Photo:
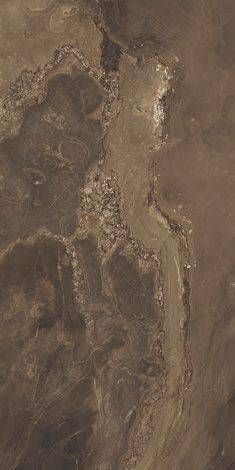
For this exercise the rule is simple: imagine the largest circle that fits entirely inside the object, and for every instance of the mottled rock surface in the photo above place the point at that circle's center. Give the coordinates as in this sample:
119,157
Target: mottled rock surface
117,277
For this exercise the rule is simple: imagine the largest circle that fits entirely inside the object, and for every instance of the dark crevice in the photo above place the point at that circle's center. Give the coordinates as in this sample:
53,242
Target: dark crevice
111,53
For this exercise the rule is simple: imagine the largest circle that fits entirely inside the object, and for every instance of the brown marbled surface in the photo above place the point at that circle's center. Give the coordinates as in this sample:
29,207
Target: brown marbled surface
117,228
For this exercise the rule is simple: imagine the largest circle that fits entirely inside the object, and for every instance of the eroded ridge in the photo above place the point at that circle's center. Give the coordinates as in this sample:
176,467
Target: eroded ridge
90,264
